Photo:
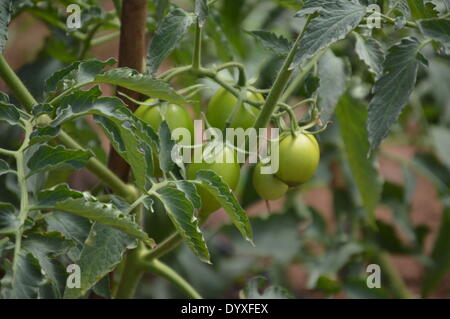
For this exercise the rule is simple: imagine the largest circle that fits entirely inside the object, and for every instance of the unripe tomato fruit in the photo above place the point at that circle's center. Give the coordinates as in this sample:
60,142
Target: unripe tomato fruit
176,117
222,105
299,158
268,186
230,173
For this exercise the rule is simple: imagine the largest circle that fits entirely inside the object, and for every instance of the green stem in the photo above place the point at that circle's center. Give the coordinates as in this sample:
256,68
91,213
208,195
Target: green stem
392,21
394,279
131,274
24,204
277,88
59,24
242,77
16,85
301,76
164,247
197,57
105,38
165,271
7,152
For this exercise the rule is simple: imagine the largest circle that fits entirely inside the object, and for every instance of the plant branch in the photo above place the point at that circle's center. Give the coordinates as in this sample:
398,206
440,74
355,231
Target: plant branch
24,204
165,271
28,101
197,56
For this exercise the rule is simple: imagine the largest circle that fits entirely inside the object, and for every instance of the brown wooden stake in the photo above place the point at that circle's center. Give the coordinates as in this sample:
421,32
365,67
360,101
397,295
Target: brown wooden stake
132,52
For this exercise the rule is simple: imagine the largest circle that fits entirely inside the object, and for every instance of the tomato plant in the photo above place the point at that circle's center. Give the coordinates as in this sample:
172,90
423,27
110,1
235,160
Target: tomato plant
96,192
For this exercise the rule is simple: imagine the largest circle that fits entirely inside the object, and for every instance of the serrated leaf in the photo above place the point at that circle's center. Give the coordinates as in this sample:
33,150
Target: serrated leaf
201,10
181,213
103,252
49,157
27,277
169,33
73,227
371,53
5,18
336,19
131,137
105,213
311,6
191,193
44,134
77,73
9,113
145,84
44,247
333,83
392,90
166,145
437,29
272,42
352,117
223,194
440,256
4,167
9,221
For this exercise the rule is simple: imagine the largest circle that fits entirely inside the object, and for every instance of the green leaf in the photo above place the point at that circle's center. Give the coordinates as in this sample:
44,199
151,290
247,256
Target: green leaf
272,42
336,19
45,247
437,29
73,227
77,73
9,113
27,277
191,193
88,207
253,287
9,221
166,145
201,10
223,194
49,157
392,90
5,18
5,168
371,53
333,83
145,84
352,117
419,10
102,252
131,137
440,256
169,33
43,134
181,213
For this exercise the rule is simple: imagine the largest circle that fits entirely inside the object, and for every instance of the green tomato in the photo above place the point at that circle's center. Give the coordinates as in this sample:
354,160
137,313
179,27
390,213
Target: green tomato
222,105
268,186
299,158
176,117
230,173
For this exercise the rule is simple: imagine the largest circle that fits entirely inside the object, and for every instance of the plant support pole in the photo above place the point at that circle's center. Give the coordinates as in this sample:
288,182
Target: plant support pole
132,50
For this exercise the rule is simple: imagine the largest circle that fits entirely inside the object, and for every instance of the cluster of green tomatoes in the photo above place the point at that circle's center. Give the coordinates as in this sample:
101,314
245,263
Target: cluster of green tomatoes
299,151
